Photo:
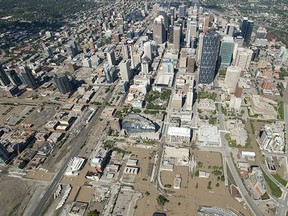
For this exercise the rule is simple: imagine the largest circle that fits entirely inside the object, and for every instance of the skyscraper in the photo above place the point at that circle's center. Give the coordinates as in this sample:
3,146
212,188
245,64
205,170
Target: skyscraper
48,51
261,33
159,33
63,83
111,57
163,13
148,50
4,80
182,11
246,29
170,34
5,156
110,73
125,51
27,77
125,70
243,58
231,78
226,51
177,32
200,45
230,29
193,29
210,49
145,65
13,77
73,49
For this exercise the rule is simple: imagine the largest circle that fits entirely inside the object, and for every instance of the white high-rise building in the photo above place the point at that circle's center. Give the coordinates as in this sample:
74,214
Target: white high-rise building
243,58
148,50
195,11
125,70
125,51
200,45
189,99
232,76
111,57
193,29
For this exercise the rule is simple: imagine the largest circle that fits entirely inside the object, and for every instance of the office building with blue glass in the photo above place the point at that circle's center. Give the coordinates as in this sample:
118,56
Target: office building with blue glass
209,56
246,29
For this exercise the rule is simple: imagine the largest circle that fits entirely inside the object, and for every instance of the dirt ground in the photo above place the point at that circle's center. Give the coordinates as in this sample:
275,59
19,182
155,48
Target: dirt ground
192,194
17,196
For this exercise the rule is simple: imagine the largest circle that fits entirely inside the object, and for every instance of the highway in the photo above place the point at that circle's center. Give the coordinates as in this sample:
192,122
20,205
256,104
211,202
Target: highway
226,155
76,143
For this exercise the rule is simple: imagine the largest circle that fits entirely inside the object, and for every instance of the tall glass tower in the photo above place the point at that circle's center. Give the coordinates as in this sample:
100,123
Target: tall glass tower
246,29
209,56
226,51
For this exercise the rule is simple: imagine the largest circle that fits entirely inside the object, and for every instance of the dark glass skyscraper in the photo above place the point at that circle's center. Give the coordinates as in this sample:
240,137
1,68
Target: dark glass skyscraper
246,29
4,80
73,49
63,83
13,76
27,77
210,49
4,154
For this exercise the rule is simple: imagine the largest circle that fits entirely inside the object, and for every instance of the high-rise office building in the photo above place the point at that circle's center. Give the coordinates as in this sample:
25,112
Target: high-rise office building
226,51
182,10
27,77
246,29
230,29
146,6
110,73
159,32
193,29
261,33
210,49
125,70
200,45
125,52
73,49
4,80
148,50
177,32
188,39
163,13
231,78
111,57
189,98
195,11
13,77
63,83
145,65
243,58
5,156
170,34
48,51
190,64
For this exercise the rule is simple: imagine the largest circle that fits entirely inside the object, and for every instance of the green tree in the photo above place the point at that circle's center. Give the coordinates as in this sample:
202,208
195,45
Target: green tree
93,213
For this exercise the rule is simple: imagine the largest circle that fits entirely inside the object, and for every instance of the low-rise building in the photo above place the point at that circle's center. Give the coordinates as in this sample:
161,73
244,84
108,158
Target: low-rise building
257,180
74,166
208,135
271,137
263,106
179,134
175,157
